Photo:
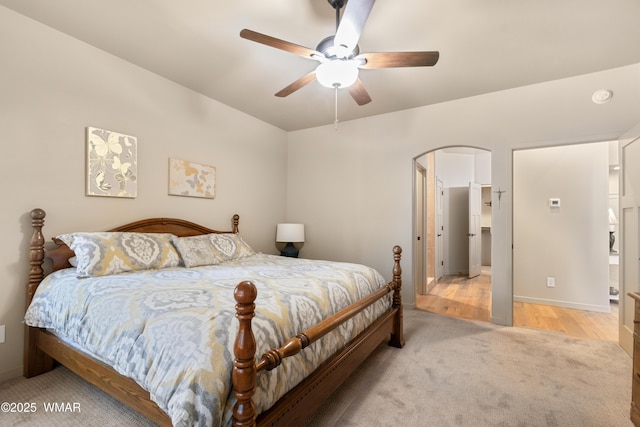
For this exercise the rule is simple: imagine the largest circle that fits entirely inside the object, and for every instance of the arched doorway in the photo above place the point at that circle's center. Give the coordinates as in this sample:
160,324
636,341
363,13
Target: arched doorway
452,230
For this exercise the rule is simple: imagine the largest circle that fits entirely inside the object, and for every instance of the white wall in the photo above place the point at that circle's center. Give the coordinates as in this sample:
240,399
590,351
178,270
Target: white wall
354,188
571,242
455,169
458,169
482,168
51,88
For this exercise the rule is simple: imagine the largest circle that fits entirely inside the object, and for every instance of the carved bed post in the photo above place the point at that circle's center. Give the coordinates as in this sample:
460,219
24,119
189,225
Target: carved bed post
36,253
35,362
236,220
397,337
244,366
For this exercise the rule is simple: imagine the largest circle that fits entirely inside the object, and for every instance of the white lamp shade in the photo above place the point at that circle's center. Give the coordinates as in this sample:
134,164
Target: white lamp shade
613,220
337,73
290,233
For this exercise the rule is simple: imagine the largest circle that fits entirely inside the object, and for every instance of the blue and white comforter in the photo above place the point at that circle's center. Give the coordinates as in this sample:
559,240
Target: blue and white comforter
173,330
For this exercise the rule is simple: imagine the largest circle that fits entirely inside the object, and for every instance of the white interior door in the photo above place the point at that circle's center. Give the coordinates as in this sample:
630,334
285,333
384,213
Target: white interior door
475,229
629,280
439,229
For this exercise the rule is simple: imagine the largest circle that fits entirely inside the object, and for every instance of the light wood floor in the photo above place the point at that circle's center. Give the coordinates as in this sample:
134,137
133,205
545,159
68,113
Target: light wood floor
469,299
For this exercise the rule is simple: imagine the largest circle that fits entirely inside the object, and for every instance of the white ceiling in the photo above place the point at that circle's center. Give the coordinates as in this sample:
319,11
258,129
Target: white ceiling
484,45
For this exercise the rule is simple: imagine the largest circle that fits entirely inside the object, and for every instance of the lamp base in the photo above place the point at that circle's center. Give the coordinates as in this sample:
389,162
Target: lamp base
612,240
289,251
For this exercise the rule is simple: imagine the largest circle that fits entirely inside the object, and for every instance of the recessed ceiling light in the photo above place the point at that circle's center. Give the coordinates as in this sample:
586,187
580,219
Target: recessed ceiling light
602,96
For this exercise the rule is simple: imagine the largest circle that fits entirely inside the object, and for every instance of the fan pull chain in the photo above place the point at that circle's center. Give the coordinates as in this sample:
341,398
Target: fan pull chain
335,123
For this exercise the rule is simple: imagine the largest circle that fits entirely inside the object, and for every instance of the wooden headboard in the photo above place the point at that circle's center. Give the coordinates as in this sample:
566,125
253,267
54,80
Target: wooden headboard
61,254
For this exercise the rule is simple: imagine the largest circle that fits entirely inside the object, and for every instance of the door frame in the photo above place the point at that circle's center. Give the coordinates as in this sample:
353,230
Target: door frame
439,229
628,247
420,234
415,274
475,229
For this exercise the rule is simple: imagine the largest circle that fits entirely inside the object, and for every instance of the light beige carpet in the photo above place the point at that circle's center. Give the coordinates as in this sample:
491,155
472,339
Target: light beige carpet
450,373
69,391
454,372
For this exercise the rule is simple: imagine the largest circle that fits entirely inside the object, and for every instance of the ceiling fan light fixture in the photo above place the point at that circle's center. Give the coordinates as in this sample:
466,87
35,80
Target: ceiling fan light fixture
337,73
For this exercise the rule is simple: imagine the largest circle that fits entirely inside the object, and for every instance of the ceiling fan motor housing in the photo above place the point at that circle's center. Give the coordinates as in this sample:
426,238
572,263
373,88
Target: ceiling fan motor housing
331,51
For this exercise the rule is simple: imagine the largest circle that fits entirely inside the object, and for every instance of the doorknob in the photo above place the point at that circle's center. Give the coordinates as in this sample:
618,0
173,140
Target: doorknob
471,234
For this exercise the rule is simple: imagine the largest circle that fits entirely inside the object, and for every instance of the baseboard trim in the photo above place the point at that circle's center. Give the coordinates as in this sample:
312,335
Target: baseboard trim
500,321
564,304
409,306
10,374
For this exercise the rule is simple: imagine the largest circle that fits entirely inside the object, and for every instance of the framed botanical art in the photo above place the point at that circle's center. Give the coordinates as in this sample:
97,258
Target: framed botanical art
191,179
112,164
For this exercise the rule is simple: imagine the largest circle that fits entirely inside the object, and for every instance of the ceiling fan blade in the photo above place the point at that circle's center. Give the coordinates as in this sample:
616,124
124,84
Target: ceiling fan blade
352,23
398,59
359,93
302,81
279,44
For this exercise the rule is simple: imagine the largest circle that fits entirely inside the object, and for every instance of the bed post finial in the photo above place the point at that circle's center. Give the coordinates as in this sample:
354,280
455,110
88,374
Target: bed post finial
397,337
236,220
243,375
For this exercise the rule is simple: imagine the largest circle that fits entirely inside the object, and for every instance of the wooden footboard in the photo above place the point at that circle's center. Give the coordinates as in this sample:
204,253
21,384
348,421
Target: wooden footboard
329,376
42,348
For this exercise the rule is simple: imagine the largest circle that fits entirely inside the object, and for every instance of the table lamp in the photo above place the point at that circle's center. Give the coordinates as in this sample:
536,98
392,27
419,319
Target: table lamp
290,234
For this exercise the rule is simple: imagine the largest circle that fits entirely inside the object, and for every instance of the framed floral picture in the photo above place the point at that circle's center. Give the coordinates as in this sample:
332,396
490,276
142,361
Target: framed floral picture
191,179
112,164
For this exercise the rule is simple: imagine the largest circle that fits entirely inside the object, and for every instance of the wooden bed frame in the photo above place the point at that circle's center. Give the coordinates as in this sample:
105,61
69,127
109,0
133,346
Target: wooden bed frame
42,347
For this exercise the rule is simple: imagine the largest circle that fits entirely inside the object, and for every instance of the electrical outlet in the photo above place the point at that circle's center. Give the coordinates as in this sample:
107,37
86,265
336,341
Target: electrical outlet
1,334
551,282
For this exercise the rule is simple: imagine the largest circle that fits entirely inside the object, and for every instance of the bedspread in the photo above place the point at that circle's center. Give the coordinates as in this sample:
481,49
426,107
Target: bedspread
173,330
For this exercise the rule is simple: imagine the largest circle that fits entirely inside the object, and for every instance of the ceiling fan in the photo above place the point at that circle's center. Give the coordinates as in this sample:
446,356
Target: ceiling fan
339,54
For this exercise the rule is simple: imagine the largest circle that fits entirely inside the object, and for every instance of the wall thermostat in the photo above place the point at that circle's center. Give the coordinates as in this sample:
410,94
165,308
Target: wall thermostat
554,203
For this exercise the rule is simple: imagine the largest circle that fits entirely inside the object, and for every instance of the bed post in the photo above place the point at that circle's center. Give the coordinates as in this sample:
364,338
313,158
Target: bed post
397,337
236,220
35,362
243,375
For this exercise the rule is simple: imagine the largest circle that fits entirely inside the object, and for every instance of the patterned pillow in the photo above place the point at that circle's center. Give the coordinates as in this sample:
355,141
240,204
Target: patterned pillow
229,247
196,251
104,253
211,249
